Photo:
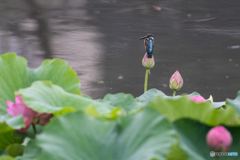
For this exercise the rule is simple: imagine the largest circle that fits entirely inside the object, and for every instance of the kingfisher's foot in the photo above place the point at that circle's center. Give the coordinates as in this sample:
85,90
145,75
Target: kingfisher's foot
149,55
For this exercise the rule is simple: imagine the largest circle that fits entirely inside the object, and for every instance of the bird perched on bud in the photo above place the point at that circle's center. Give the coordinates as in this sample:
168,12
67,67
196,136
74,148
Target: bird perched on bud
148,60
148,44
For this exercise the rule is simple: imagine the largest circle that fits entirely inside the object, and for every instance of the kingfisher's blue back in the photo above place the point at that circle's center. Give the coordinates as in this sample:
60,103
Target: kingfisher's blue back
149,44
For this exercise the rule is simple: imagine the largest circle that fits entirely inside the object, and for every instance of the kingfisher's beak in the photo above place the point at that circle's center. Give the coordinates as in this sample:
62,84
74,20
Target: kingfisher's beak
143,37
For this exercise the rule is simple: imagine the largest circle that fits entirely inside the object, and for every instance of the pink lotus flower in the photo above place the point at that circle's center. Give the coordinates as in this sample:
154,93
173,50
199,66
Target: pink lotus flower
176,81
198,99
29,116
148,62
219,139
20,108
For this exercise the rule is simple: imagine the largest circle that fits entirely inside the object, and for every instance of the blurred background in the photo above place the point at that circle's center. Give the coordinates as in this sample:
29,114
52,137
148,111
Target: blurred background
99,39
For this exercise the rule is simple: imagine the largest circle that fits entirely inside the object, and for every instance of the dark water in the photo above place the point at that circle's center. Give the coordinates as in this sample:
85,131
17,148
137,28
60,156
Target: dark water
99,39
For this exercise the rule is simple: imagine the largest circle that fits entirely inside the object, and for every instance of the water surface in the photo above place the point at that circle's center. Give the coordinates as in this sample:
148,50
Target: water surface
99,39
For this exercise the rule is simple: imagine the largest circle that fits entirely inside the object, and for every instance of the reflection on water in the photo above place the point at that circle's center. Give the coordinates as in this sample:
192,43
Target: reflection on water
99,39
49,31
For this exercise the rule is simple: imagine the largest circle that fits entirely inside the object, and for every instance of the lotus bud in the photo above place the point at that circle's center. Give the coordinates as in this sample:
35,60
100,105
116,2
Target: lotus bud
176,81
198,99
219,139
148,62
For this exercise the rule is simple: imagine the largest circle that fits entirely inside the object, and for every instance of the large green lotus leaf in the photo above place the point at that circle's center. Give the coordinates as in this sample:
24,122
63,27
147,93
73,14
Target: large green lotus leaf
76,136
113,115
126,101
14,75
45,97
235,103
14,150
218,104
150,95
6,130
193,139
8,138
144,136
60,73
183,107
153,93
7,158
31,151
176,152
7,122
7,133
2,152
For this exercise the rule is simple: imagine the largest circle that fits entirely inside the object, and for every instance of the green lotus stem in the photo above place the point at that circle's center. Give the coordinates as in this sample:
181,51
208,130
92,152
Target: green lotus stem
34,129
174,92
216,157
146,80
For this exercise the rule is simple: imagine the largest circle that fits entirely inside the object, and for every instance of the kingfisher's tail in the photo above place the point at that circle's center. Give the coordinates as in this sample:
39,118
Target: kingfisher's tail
149,55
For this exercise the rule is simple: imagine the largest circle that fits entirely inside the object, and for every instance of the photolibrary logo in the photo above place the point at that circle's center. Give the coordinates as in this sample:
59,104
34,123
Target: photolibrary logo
212,153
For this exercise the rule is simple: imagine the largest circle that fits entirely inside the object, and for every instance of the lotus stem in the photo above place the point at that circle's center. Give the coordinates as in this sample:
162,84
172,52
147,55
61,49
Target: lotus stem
174,92
146,80
34,129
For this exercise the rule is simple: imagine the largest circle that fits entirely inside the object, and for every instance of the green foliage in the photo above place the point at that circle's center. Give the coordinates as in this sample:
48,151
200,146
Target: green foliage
150,95
7,139
14,149
14,75
176,153
133,137
193,139
43,96
153,126
7,158
60,73
2,152
183,107
126,101
7,133
113,115
31,151
7,122
235,103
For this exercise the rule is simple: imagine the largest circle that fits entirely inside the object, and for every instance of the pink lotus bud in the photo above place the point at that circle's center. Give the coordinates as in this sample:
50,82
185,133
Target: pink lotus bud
20,108
42,118
148,62
176,81
219,139
198,99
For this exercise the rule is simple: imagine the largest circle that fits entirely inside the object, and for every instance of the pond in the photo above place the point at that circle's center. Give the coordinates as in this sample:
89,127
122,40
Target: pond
99,39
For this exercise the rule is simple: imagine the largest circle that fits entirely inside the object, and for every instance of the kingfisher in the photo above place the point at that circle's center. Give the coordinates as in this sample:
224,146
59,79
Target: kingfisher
149,44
